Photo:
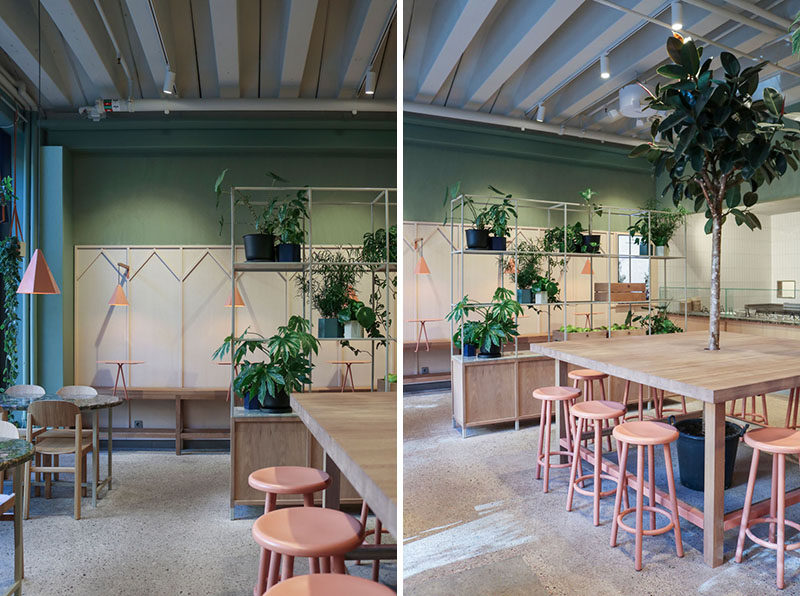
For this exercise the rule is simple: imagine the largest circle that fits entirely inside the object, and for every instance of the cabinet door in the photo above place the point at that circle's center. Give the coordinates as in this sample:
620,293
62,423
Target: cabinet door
490,392
533,373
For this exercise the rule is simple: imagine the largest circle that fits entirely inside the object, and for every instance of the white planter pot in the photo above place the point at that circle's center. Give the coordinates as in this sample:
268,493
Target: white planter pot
662,251
540,298
353,330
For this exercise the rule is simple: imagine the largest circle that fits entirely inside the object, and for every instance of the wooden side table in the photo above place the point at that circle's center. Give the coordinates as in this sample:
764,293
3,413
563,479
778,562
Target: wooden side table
13,454
348,371
120,372
423,329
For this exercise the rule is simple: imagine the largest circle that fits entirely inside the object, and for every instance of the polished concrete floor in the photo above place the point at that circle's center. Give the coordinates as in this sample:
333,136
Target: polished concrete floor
476,522
164,529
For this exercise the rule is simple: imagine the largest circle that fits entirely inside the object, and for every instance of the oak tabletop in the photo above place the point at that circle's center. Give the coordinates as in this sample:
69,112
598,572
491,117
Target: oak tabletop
359,432
745,364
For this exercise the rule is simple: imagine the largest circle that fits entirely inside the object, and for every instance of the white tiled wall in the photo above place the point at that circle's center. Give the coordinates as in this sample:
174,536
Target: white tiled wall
785,247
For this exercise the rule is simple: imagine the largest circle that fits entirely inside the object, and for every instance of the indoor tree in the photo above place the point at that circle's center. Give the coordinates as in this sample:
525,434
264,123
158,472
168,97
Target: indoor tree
712,138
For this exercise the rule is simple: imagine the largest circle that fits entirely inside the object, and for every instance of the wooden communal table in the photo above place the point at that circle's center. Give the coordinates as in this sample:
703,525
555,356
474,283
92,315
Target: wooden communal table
679,363
358,432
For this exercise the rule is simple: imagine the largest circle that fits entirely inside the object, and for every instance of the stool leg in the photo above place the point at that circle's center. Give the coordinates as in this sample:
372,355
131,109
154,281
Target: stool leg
308,500
764,407
773,497
748,501
796,403
605,422
287,568
651,480
540,441
547,450
263,560
338,564
598,456
376,564
641,402
683,404
623,460
573,472
673,501
325,564
274,566
569,423
781,546
639,504
789,407
625,397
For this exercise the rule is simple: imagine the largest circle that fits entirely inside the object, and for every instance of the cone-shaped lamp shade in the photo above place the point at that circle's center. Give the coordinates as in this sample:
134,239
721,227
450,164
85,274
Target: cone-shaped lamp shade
38,279
422,267
237,299
587,268
118,298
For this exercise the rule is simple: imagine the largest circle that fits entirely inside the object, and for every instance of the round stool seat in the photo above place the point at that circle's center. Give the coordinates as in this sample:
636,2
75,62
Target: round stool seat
587,374
556,393
645,432
289,480
598,410
774,440
307,532
328,584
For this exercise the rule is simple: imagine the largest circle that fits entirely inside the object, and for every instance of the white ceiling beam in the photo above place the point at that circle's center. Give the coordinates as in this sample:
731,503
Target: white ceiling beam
18,38
454,26
224,27
83,29
149,40
739,18
299,25
760,12
366,23
515,36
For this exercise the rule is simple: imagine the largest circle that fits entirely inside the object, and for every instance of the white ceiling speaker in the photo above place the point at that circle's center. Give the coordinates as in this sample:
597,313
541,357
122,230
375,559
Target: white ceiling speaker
677,16
631,102
605,72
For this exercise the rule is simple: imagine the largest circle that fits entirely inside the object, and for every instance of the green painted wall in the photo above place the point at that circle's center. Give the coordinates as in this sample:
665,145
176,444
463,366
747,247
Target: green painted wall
438,153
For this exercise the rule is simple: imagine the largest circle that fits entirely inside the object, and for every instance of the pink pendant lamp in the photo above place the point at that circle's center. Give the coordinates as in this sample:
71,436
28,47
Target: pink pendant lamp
118,298
587,268
37,278
237,299
421,268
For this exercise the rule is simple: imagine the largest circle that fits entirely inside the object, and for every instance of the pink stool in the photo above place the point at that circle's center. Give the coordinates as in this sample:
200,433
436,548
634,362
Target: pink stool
329,584
645,434
657,401
565,396
595,412
588,376
791,410
284,480
377,532
752,415
780,442
313,532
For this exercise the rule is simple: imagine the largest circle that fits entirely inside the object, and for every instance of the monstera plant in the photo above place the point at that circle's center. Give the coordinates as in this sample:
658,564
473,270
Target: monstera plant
717,144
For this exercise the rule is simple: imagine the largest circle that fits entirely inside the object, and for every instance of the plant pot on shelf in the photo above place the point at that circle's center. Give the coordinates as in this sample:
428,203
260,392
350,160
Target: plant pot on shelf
540,298
524,296
591,242
691,451
329,327
477,239
259,247
497,243
470,351
288,253
661,251
494,352
353,330
644,249
275,405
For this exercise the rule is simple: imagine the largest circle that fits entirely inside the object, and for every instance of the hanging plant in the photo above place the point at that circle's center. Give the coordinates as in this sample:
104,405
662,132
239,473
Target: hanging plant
9,272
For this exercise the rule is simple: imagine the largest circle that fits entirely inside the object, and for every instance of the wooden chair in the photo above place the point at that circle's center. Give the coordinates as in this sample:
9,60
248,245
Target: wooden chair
61,415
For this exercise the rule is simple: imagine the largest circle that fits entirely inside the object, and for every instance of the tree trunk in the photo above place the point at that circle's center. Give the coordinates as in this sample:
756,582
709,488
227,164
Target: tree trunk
713,316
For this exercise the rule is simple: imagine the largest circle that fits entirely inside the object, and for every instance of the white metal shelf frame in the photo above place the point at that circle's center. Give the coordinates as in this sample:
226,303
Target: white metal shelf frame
380,201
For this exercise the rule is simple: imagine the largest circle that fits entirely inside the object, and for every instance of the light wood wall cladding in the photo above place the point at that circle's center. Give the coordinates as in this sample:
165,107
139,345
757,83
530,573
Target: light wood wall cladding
177,316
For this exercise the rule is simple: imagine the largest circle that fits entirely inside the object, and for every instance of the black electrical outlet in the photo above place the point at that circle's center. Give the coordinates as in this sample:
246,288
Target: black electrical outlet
138,424
425,370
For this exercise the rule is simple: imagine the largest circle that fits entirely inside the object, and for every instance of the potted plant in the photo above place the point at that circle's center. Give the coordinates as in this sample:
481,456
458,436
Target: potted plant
469,343
260,245
499,216
373,248
526,269
356,317
331,286
557,240
591,242
544,289
715,139
287,216
267,384
478,236
656,228
497,325
657,322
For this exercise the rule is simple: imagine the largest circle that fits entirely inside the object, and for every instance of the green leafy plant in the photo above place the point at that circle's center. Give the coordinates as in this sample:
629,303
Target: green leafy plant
10,260
333,281
528,264
477,215
554,241
658,228
543,283
355,310
497,321
499,214
657,322
262,221
373,249
287,368
586,195
287,216
714,139
795,29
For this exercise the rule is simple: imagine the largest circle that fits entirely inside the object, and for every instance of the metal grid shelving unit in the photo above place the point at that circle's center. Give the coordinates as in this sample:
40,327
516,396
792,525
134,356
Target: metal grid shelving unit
381,203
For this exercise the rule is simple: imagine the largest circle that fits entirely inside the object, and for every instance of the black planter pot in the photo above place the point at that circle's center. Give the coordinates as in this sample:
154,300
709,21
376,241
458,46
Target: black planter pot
288,253
589,239
524,296
259,247
497,243
644,249
478,239
494,352
275,405
330,328
691,451
470,351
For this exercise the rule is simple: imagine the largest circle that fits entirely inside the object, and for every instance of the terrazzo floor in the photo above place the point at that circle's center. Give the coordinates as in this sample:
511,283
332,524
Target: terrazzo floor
476,522
164,529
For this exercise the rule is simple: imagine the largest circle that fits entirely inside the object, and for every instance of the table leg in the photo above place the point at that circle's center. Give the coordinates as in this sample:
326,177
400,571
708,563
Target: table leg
95,455
331,496
419,336
427,342
110,427
116,381
713,510
352,382
19,571
561,381
178,424
124,385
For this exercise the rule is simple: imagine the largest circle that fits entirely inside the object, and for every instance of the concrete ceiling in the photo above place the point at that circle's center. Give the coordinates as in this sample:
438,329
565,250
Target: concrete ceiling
498,60
91,49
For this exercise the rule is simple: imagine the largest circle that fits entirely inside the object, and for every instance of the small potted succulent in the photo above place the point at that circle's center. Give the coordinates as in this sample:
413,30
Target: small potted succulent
497,325
287,216
499,216
267,384
356,317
